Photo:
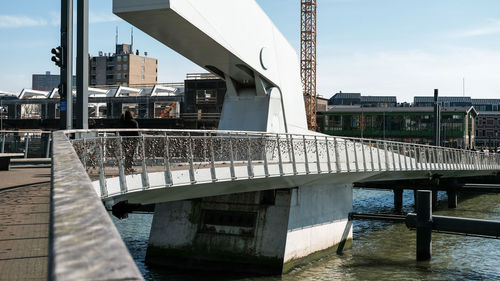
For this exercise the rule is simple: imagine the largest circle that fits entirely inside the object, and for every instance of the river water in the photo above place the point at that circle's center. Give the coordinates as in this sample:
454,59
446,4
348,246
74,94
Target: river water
381,250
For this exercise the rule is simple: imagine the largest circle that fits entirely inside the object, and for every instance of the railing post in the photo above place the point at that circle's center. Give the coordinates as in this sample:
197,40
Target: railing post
145,177
121,170
264,152
371,155
249,160
337,155
393,157
378,155
102,176
166,161
347,161
2,147
26,145
47,148
364,155
212,159
386,153
411,157
426,159
192,177
399,157
405,157
279,155
417,158
328,155
356,161
294,164
318,165
84,156
306,161
231,158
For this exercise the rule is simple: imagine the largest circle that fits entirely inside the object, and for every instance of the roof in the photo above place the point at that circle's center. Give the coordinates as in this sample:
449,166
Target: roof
347,96
485,101
441,99
379,99
463,109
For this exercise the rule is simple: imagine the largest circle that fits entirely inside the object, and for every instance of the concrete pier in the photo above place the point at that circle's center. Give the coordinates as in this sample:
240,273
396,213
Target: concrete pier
267,232
424,225
398,199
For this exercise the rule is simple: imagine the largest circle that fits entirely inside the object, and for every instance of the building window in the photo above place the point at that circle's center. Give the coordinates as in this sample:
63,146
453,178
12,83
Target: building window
142,77
119,58
143,68
143,60
118,76
125,67
125,58
119,67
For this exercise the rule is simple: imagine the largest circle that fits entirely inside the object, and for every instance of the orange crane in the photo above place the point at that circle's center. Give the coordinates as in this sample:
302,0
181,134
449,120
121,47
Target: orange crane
308,59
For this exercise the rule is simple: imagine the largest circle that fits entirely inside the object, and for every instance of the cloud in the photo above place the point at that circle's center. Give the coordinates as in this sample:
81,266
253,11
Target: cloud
493,27
409,73
17,21
100,17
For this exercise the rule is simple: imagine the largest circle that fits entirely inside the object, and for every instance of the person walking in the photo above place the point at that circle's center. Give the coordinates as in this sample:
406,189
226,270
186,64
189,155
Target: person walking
130,140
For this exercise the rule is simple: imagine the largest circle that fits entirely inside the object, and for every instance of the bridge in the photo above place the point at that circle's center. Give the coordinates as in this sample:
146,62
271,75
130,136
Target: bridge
265,200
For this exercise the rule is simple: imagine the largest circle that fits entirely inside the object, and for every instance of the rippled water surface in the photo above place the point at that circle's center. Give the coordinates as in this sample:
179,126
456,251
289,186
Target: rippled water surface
381,251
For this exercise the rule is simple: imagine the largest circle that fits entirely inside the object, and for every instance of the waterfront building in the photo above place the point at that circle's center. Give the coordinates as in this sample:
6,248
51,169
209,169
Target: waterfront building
406,124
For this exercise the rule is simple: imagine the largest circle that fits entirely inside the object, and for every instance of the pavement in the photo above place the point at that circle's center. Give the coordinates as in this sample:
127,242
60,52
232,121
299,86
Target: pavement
24,222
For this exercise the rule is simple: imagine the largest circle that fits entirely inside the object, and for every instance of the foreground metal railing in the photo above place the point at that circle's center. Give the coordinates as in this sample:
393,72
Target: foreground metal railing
184,157
33,143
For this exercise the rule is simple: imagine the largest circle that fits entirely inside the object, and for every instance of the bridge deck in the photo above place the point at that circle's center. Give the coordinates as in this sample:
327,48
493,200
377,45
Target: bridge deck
24,222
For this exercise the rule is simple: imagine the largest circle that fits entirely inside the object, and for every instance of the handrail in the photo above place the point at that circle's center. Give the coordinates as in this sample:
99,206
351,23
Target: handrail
184,155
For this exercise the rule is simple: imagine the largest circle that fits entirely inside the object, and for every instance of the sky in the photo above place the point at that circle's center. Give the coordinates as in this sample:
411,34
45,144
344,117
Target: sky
402,48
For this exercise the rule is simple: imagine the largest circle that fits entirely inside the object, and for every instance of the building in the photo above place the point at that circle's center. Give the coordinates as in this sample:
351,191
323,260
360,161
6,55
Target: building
442,101
47,81
356,99
321,104
345,99
123,68
406,124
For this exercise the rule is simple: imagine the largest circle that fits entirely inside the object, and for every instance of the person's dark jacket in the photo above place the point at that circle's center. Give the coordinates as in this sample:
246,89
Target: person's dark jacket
129,124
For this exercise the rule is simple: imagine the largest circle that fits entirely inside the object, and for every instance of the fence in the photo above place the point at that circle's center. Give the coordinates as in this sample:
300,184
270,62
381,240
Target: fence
34,144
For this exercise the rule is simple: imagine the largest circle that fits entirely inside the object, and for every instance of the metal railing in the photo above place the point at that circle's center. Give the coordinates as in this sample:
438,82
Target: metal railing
183,157
34,144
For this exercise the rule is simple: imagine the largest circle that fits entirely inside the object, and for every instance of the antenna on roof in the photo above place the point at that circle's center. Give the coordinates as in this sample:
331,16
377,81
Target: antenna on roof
132,39
116,36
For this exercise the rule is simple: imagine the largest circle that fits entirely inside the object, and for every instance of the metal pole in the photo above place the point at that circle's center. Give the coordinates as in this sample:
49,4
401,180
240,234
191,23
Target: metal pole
82,65
424,225
66,89
437,119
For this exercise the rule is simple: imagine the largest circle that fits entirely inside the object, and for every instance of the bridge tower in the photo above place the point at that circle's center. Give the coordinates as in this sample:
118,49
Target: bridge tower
308,59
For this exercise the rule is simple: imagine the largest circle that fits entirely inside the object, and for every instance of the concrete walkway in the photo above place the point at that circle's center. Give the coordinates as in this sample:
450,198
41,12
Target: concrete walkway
24,222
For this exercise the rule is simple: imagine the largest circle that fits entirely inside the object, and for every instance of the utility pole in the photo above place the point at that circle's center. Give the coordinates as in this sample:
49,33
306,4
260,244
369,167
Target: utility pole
66,57
82,65
437,119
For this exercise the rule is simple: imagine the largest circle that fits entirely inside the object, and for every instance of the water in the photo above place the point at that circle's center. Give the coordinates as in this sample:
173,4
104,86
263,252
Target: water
381,250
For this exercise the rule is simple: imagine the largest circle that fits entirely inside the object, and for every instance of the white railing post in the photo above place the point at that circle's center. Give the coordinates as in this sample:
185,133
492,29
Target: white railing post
47,147
279,155
166,161
213,174
364,155
231,158
328,155
386,153
393,157
264,152
2,147
26,145
192,177
102,176
121,169
356,160
337,155
399,156
145,177
371,155
294,164
318,164
249,160
306,161
347,161
379,158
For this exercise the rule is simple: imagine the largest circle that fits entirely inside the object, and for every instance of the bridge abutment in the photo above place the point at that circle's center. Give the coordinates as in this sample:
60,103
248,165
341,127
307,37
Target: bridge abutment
266,232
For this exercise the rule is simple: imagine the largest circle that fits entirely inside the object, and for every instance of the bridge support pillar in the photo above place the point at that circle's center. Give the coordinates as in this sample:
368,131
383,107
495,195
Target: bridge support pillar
452,198
424,225
398,199
265,232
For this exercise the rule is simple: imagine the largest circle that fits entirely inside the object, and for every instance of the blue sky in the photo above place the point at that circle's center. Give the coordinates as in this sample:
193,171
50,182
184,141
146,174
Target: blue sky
376,47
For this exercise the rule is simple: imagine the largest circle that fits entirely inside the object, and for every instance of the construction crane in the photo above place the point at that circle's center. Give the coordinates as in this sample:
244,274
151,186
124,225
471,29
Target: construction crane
308,59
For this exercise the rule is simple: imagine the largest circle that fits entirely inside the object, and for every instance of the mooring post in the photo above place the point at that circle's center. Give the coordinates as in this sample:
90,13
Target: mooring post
452,198
398,199
424,225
